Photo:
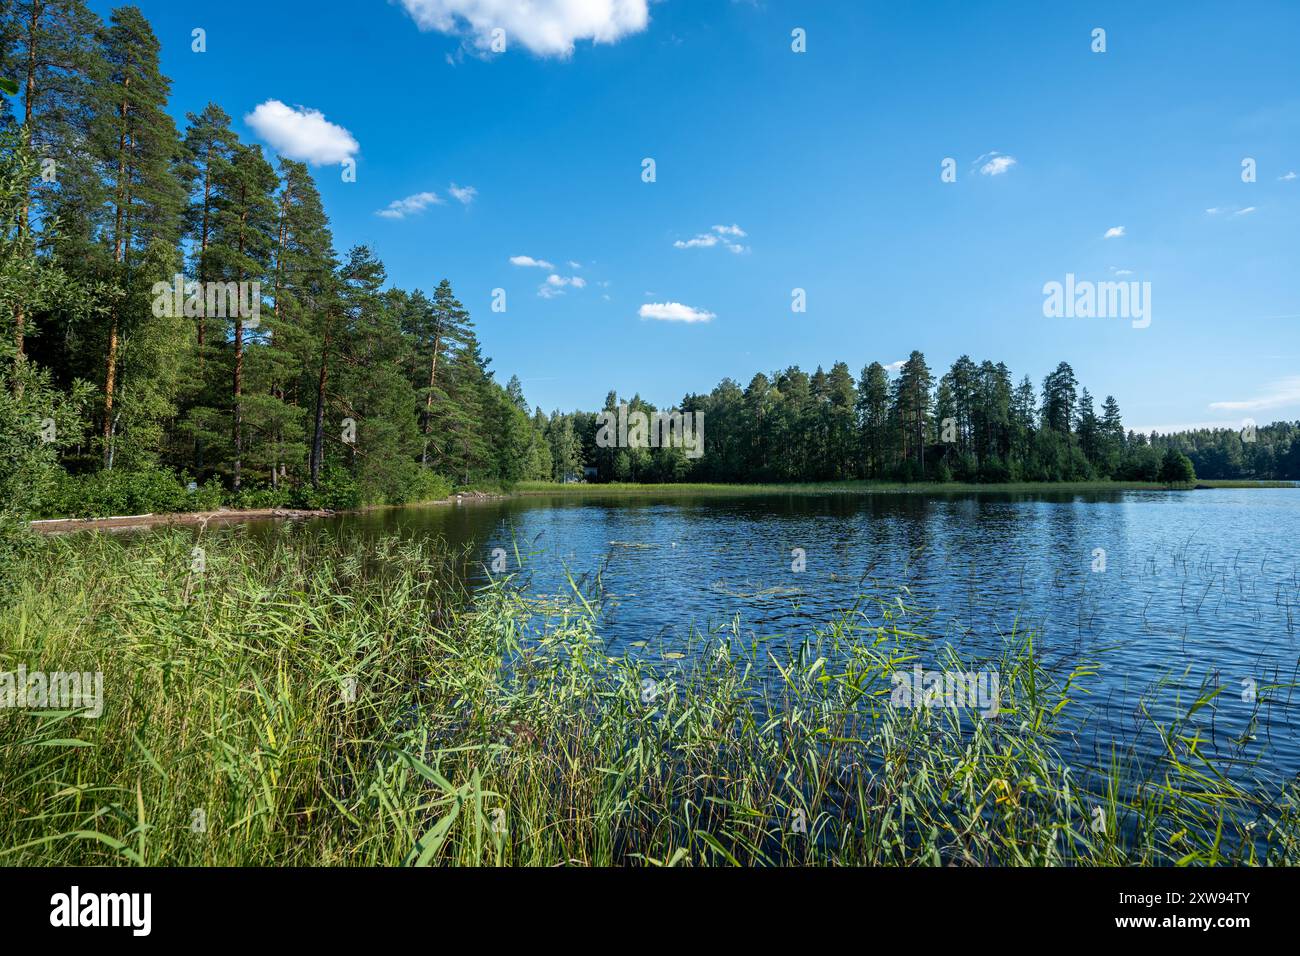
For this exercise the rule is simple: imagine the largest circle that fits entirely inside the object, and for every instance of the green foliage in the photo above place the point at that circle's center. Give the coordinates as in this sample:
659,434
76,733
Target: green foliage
104,494
421,485
1250,452
250,496
336,491
36,422
1176,468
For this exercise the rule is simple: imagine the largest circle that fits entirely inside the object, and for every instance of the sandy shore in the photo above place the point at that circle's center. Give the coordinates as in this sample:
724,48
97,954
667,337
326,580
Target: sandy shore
140,522
225,516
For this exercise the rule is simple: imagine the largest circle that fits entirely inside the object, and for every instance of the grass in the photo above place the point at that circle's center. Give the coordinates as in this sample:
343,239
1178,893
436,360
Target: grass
498,729
863,487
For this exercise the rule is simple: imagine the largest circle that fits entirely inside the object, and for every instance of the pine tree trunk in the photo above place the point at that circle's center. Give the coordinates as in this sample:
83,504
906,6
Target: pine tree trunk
119,253
277,389
237,409
203,276
428,403
318,433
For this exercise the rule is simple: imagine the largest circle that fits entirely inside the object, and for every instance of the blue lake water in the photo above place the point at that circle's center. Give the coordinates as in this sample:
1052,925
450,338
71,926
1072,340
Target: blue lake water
1165,590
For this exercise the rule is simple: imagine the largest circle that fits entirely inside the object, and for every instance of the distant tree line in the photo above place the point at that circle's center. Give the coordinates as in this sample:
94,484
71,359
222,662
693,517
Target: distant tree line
973,423
1255,453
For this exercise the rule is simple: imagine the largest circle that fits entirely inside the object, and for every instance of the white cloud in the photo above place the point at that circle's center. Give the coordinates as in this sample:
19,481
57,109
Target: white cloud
303,134
1121,272
401,208
1218,210
997,164
1114,232
1280,394
896,366
545,27
1287,177
674,312
528,262
556,284
574,265
718,237
1244,212
464,194
703,241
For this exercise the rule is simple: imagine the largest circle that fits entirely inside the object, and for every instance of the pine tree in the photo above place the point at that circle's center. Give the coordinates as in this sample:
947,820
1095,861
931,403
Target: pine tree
1089,429
209,146
439,327
873,420
305,291
137,147
912,408
48,48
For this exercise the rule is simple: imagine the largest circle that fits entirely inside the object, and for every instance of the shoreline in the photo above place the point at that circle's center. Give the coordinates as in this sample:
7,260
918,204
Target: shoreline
227,516
535,489
616,489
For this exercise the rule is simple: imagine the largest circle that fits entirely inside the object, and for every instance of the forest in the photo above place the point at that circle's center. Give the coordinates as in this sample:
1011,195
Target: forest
338,389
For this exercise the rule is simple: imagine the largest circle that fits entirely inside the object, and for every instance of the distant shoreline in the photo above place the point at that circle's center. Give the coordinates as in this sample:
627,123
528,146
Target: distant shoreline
534,489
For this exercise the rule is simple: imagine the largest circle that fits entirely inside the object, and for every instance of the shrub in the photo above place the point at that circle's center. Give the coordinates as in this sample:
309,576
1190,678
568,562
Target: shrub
421,484
259,497
208,496
106,494
337,491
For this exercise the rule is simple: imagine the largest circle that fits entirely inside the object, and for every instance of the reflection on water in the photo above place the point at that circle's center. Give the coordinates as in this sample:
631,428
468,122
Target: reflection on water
1156,586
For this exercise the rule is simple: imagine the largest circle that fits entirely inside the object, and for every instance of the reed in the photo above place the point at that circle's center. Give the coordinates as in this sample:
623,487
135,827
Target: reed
498,729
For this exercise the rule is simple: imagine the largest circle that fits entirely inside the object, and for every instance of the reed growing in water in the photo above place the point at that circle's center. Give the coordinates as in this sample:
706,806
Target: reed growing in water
320,701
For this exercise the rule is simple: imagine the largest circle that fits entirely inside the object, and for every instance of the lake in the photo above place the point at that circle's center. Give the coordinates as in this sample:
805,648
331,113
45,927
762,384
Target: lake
1164,590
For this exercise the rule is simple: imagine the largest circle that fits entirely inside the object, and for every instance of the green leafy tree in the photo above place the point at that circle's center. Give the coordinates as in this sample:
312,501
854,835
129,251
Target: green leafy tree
1176,468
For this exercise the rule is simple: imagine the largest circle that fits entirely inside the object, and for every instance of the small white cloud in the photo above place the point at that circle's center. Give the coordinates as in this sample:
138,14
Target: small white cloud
1121,272
1280,394
996,164
1114,232
1244,212
528,262
464,194
1287,177
401,208
674,312
556,284
896,366
702,241
717,237
545,27
574,265
303,134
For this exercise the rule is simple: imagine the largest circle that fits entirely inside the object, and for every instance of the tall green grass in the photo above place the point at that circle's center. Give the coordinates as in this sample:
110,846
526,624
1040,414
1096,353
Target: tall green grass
498,729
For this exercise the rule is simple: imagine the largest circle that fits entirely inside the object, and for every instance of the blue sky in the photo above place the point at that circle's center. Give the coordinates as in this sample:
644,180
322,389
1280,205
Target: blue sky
829,161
